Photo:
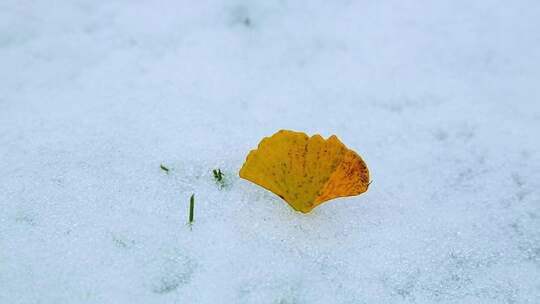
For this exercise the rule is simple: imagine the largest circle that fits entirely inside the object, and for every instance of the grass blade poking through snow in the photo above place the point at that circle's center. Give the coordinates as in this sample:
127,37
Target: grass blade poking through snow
191,208
218,176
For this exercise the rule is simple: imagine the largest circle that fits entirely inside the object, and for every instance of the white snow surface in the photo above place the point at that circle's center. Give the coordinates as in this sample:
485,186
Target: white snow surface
441,99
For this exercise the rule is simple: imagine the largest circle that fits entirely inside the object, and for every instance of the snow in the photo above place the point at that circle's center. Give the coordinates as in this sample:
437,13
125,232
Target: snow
441,98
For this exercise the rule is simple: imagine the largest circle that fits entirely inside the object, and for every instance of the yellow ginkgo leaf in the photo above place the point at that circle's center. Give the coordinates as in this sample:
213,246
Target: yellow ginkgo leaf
306,171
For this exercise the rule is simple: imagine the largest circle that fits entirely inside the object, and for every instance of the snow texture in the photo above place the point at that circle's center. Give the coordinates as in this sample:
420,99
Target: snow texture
441,98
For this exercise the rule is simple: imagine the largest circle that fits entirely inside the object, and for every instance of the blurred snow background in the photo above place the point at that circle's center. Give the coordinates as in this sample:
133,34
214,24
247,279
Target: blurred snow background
441,98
